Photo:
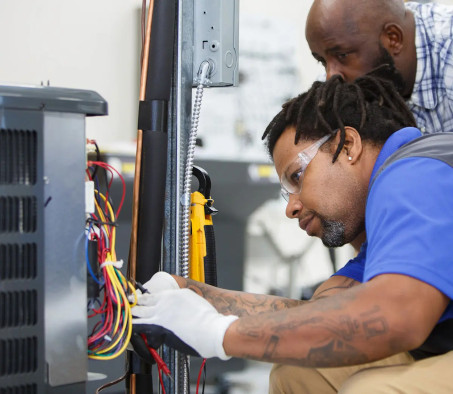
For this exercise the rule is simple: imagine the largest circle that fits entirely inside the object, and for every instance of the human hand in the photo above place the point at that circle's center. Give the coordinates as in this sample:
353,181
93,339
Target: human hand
182,320
161,281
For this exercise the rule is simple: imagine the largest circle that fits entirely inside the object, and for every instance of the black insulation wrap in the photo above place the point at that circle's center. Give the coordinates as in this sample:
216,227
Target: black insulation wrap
210,267
152,120
153,115
152,204
160,65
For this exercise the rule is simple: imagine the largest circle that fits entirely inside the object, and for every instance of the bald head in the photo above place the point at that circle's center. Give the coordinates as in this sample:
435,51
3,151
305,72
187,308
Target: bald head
350,13
352,37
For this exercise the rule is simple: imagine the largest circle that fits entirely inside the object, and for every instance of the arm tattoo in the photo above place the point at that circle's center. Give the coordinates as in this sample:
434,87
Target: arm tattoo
346,284
375,327
240,303
270,347
333,351
335,338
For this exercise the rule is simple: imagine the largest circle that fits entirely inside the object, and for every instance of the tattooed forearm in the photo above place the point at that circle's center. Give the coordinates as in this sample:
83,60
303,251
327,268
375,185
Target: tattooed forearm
327,355
375,327
239,303
360,324
319,336
326,289
270,347
245,304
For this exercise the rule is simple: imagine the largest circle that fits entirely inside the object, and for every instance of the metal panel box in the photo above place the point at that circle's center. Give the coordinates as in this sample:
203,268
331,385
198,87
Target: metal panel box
43,327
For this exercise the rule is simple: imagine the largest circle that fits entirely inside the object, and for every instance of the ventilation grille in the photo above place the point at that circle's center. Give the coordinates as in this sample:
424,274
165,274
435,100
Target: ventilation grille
18,308
18,155
17,214
28,389
20,355
18,261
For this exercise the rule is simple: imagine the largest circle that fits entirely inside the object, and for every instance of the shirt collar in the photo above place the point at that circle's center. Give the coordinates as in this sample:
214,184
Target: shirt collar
393,143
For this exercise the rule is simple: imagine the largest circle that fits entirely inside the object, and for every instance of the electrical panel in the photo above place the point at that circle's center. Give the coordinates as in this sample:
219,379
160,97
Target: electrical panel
216,39
42,221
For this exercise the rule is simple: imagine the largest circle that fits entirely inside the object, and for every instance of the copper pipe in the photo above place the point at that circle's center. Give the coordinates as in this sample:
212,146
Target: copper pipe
146,51
132,266
132,384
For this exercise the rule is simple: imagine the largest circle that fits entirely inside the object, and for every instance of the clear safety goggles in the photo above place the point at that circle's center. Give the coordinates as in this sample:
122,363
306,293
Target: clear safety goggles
292,176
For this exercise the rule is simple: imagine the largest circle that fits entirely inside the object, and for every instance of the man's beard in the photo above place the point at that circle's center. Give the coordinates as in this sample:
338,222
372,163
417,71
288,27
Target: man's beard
384,67
333,233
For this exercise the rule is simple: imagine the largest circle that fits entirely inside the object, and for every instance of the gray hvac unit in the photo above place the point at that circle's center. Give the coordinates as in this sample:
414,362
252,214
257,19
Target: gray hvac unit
43,326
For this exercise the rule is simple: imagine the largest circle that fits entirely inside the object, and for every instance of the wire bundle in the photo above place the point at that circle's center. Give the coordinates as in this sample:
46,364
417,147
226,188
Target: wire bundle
111,334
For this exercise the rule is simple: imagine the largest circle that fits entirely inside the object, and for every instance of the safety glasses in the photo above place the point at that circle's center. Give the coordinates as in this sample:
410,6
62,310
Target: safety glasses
292,176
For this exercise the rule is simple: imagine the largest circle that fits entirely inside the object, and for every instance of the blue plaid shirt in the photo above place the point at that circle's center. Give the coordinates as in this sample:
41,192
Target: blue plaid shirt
432,97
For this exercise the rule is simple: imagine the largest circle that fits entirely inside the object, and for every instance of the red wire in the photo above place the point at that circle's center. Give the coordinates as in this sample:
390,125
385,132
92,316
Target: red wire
104,237
90,177
107,323
106,210
199,374
106,328
161,366
161,380
107,166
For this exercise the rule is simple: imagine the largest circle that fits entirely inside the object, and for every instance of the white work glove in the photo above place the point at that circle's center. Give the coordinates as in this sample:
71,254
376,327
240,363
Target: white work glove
182,320
160,281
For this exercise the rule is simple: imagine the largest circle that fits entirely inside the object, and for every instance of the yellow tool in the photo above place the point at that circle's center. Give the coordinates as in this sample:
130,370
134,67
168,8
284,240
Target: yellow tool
202,265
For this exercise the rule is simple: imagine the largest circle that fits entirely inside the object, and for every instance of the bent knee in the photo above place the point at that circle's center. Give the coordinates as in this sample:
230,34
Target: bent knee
373,381
290,379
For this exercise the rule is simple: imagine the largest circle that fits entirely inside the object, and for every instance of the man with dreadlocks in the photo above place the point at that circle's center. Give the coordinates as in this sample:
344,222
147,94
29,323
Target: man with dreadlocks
349,158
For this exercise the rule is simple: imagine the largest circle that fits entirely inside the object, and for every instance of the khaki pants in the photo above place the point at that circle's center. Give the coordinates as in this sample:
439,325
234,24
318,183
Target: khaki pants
396,374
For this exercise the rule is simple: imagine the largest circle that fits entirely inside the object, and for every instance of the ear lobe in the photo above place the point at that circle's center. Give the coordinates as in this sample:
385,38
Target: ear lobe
352,148
392,38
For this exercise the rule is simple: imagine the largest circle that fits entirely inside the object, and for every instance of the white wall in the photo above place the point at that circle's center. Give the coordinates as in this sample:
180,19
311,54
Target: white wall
86,44
295,12
94,44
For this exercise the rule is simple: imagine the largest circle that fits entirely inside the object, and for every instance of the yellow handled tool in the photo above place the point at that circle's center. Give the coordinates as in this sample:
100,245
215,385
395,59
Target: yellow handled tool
202,266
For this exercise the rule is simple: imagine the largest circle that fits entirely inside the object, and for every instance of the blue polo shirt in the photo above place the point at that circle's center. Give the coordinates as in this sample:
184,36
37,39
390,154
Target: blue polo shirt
409,221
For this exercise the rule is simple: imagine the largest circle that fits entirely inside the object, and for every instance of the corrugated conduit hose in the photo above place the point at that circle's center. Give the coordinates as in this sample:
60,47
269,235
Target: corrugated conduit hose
204,73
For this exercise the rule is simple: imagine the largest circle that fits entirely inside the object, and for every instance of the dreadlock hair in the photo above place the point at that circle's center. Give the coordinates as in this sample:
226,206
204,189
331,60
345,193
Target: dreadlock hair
370,104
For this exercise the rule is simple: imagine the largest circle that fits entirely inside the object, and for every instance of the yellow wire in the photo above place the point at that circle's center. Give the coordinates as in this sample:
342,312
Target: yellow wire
127,319
117,286
128,313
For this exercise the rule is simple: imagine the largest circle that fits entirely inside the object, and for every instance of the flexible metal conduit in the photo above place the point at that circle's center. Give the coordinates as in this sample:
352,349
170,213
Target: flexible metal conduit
203,80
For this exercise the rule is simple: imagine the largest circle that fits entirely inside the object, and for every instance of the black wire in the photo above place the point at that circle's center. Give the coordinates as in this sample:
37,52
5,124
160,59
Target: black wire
107,182
97,188
98,184
97,222
98,158
204,377
108,196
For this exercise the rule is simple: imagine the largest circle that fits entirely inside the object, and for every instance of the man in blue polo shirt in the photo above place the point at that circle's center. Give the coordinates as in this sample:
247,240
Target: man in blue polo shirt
349,158
408,43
